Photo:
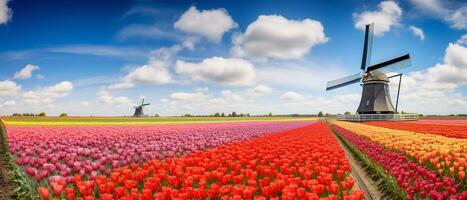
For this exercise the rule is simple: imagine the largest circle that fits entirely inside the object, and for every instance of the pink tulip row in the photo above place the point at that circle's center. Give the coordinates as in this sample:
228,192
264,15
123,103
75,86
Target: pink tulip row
92,150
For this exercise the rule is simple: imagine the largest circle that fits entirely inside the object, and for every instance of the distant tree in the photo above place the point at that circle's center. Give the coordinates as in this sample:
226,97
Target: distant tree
347,113
241,114
156,115
234,114
248,114
217,114
328,114
270,114
63,115
188,115
42,114
320,114
229,115
222,115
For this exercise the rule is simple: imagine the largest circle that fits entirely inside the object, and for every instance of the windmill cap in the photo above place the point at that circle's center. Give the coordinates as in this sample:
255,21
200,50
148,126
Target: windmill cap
375,75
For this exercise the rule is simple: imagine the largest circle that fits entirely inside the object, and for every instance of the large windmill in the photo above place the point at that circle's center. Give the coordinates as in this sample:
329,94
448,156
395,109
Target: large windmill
139,109
375,96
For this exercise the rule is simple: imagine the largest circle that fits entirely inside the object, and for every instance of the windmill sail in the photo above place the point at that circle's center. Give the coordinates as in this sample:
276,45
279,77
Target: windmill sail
367,46
392,65
344,81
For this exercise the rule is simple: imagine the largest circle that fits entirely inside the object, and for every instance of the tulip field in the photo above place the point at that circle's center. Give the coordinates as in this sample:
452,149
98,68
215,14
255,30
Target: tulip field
258,159
419,160
225,160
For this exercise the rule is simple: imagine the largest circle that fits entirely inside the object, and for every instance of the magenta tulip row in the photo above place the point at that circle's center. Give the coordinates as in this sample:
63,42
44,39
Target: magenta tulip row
417,181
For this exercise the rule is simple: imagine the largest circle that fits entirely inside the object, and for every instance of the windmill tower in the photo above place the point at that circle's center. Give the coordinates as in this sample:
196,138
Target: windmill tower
139,109
375,95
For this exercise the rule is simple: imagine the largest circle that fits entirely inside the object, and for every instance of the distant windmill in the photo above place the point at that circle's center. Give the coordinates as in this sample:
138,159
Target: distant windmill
139,109
375,96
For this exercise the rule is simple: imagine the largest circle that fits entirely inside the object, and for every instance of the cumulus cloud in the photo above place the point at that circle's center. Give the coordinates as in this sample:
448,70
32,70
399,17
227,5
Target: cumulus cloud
292,96
226,71
5,12
211,24
26,72
453,13
104,97
259,90
387,16
417,32
9,88
155,72
273,36
48,94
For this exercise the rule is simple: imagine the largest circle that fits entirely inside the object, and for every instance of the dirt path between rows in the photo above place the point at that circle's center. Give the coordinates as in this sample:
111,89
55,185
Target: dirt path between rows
364,182
6,189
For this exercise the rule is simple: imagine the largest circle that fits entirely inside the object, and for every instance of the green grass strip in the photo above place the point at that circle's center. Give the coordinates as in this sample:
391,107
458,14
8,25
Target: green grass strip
386,184
23,188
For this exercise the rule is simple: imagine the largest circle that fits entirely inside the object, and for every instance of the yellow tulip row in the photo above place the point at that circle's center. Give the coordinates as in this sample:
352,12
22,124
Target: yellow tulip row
441,152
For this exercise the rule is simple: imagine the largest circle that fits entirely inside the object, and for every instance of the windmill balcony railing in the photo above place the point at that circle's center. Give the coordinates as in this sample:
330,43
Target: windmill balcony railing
378,117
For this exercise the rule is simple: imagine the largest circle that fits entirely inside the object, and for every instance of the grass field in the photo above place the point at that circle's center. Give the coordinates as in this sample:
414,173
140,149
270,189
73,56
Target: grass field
65,121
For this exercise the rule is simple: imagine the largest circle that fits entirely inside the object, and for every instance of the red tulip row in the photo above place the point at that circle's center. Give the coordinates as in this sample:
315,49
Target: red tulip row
303,163
417,181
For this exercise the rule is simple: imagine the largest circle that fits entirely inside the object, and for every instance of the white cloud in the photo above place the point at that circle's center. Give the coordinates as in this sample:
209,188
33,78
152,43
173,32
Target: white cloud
229,95
186,96
155,72
227,71
48,94
211,24
260,90
452,12
10,103
292,96
387,16
26,72
273,36
463,40
9,88
104,97
5,12
417,32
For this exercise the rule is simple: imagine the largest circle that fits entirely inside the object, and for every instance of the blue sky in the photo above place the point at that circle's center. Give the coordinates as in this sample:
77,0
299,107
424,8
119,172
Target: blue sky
100,58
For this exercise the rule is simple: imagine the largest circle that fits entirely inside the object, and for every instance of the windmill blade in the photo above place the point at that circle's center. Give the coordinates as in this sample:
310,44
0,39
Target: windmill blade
344,81
367,46
392,65
146,104
142,102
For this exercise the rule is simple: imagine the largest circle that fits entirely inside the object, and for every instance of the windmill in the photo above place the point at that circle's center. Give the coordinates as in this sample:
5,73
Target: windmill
139,109
375,95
